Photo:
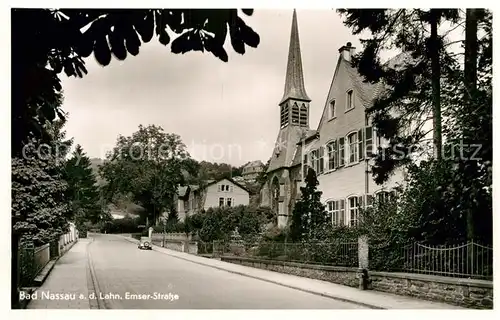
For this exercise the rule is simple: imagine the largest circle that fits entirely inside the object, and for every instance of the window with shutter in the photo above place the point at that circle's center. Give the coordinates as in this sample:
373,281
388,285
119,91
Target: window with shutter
330,215
383,197
314,160
306,164
321,163
341,152
369,200
370,147
352,148
342,212
332,155
353,210
361,151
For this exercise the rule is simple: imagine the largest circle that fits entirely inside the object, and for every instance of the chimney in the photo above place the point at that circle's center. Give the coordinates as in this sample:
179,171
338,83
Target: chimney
347,51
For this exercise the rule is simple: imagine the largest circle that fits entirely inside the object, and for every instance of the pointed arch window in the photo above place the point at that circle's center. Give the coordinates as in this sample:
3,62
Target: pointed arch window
284,115
295,114
303,116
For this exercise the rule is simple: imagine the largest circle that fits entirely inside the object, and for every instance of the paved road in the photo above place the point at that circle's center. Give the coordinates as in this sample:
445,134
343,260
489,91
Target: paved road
122,271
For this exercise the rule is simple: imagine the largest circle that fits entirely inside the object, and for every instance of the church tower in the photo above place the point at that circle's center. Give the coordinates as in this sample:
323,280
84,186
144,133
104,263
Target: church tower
293,123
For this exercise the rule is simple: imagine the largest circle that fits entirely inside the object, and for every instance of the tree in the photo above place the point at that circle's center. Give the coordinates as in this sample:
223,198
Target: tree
47,42
40,206
461,81
83,190
309,217
262,177
149,166
411,92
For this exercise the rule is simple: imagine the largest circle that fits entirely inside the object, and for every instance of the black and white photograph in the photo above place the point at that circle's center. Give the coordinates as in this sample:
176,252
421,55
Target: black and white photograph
251,159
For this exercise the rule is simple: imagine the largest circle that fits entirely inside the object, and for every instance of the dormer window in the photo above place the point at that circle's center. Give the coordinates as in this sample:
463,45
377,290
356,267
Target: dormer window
349,101
332,114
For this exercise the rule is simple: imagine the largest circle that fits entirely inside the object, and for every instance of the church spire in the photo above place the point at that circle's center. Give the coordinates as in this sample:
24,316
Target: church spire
294,83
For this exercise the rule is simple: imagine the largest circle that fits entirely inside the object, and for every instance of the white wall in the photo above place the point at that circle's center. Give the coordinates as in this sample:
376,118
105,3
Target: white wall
238,195
349,180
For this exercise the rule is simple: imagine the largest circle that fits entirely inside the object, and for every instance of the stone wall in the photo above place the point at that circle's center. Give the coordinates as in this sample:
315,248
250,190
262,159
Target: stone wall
340,275
462,292
179,245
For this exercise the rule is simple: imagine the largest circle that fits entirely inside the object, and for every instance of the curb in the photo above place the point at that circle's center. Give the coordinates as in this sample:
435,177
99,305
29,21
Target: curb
92,283
323,294
40,278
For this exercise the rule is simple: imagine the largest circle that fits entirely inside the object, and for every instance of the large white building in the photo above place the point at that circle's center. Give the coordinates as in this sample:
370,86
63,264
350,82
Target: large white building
336,148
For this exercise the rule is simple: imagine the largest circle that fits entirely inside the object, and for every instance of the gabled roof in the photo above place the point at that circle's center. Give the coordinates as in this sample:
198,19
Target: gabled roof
367,92
256,163
183,191
232,181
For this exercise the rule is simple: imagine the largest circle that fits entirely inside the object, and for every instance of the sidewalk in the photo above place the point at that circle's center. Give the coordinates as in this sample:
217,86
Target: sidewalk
67,279
371,299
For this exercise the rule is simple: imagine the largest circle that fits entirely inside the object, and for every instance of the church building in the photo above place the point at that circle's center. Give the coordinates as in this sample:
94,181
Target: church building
337,149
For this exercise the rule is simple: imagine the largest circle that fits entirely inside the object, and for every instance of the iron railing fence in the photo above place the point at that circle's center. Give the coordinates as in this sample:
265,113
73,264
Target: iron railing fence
327,253
465,260
205,248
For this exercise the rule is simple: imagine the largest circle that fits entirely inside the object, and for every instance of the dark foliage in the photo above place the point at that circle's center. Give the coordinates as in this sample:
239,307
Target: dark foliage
309,217
82,189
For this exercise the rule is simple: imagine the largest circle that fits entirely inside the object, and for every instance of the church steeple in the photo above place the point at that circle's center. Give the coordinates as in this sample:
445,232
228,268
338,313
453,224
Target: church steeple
294,83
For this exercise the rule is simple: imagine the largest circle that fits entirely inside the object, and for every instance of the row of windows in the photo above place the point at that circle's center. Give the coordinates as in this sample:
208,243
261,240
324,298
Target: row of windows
342,151
299,115
337,209
225,202
225,188
332,111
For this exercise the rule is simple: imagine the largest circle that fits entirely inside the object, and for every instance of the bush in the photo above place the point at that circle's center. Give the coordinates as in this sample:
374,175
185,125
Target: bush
170,227
219,223
137,236
125,225
275,234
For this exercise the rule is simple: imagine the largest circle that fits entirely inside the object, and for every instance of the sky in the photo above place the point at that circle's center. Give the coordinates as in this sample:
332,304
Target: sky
224,112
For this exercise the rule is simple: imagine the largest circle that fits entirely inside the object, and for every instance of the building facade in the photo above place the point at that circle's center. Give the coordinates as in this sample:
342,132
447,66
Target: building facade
252,170
216,193
337,149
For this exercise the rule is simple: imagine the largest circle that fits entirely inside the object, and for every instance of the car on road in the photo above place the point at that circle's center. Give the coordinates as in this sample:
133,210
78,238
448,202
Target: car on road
145,243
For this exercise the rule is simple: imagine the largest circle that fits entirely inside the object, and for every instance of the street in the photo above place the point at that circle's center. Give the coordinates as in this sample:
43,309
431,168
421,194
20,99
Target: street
129,278
122,269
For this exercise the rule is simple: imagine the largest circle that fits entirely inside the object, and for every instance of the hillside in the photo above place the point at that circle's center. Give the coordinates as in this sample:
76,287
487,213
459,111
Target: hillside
94,164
